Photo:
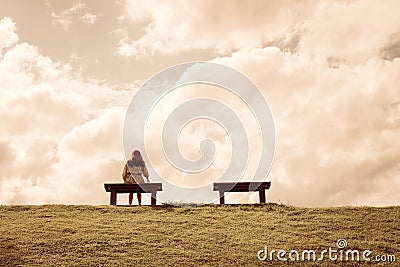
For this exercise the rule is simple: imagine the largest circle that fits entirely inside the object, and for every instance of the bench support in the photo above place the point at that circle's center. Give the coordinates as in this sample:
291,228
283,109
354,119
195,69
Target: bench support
242,187
261,192
221,197
153,198
113,198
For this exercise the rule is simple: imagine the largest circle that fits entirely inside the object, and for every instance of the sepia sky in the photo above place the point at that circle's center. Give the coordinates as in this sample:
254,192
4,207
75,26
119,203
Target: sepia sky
330,71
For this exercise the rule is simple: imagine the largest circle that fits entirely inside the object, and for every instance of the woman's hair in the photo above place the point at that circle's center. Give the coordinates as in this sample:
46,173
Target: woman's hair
137,159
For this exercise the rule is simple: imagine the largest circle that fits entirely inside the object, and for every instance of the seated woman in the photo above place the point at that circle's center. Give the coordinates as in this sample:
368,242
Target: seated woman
133,171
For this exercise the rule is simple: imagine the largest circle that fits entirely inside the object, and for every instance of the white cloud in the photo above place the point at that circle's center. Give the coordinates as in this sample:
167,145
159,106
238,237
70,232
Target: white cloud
8,36
336,127
220,25
67,17
89,18
354,31
349,30
58,134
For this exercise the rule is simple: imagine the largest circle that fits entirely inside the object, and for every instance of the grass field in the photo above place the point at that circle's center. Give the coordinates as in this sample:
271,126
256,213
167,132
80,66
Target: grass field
212,235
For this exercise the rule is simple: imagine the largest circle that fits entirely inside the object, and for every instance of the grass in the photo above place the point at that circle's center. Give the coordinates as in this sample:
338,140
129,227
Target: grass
210,235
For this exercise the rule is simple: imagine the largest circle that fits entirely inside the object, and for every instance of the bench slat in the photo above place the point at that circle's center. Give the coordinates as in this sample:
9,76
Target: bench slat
241,186
135,188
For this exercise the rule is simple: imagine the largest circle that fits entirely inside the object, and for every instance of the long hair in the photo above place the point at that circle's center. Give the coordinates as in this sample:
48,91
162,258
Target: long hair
136,159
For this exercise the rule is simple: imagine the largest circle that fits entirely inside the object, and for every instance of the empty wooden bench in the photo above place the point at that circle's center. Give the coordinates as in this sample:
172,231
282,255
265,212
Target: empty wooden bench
241,187
115,189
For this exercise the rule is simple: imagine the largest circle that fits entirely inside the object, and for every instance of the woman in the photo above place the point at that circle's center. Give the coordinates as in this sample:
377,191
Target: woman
133,171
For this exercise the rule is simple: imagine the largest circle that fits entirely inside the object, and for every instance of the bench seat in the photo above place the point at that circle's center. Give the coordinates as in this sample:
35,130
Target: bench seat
117,188
241,187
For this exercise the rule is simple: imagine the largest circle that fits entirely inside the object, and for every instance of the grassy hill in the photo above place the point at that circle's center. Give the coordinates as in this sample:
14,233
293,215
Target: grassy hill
211,235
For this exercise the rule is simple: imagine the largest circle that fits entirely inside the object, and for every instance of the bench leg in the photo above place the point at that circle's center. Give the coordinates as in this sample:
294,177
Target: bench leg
221,197
113,198
153,198
262,195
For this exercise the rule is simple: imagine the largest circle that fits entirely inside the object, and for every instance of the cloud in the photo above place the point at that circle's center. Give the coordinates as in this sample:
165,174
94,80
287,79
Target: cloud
69,170
344,30
336,127
59,133
89,18
66,17
392,49
8,36
327,29
7,157
221,25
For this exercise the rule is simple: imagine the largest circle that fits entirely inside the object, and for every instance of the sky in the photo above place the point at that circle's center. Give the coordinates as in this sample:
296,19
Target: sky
330,71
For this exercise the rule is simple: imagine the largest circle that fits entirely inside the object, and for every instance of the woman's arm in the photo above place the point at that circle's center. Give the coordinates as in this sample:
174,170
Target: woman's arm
125,172
145,173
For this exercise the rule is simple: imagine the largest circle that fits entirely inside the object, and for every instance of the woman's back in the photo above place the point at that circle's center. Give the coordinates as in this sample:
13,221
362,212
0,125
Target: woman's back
133,171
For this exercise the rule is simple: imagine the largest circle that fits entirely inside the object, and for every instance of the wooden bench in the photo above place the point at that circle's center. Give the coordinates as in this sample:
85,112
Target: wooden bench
133,188
241,187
